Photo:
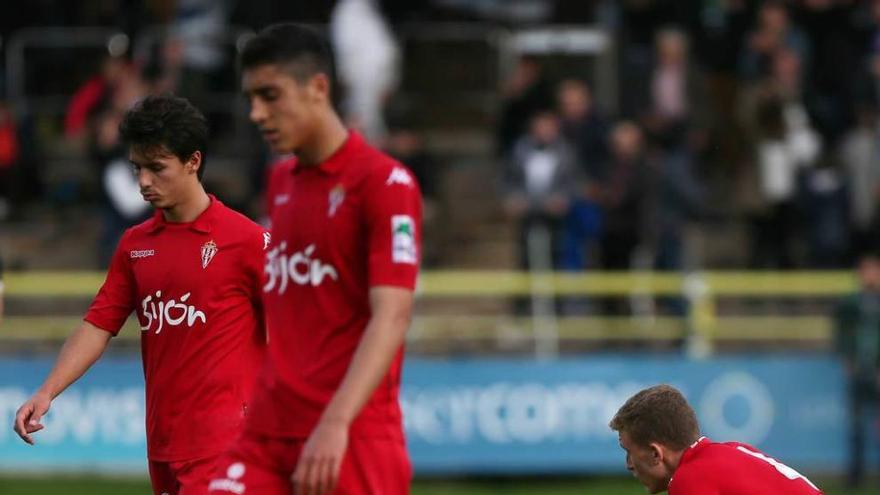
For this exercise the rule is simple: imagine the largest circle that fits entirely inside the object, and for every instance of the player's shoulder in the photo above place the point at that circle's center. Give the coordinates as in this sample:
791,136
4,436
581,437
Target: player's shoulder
237,223
282,167
137,232
381,169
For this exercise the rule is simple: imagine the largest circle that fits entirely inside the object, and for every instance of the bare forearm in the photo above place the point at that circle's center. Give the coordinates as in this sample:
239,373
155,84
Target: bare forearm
380,343
84,346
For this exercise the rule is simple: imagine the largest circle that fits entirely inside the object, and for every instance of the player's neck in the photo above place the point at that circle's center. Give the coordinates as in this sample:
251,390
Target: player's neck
329,135
189,208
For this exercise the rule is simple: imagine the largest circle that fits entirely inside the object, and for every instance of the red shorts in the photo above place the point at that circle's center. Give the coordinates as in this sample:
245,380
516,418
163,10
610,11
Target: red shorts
263,465
184,477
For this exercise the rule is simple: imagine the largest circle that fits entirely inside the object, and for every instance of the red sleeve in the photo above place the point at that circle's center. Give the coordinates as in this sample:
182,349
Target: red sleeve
393,205
116,298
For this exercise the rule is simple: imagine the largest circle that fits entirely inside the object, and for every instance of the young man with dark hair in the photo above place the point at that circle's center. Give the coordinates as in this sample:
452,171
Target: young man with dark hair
346,225
193,274
659,431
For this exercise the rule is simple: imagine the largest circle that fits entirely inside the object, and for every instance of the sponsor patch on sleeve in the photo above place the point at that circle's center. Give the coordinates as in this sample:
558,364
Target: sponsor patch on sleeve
403,240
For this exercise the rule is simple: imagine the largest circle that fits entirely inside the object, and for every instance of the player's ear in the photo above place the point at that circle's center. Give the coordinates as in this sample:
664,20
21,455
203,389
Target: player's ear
194,163
319,86
657,453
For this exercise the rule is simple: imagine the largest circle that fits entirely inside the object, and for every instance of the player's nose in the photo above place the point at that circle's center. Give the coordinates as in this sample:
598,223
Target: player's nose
257,113
144,179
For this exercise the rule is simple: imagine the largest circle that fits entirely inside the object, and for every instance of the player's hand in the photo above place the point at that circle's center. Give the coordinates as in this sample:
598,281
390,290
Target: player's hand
317,471
27,419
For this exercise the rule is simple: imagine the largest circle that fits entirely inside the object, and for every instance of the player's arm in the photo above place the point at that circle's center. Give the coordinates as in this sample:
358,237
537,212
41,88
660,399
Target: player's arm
108,312
84,346
319,466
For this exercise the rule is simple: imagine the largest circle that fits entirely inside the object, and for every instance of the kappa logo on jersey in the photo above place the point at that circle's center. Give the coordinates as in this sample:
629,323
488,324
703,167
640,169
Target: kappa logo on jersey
159,313
403,240
399,176
335,199
209,249
267,239
142,253
299,268
230,483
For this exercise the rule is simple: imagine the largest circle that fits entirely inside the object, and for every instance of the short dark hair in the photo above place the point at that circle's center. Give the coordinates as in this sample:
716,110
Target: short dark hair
658,414
300,49
166,123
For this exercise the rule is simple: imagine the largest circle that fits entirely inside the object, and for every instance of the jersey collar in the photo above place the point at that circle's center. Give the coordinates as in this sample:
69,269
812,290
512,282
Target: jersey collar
203,224
690,451
336,162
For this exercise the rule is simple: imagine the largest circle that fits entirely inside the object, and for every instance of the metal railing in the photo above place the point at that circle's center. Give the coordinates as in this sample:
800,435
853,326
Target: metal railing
702,327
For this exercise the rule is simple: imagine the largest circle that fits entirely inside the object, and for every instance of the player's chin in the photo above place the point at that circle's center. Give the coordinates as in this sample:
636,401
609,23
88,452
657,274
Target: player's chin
280,146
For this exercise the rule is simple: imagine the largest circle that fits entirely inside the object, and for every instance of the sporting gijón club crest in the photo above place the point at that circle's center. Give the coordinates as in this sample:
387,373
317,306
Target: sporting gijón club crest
209,249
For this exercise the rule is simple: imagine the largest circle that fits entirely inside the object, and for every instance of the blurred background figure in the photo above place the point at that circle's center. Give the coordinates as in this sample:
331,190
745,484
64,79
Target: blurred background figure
538,186
525,92
860,158
784,144
10,154
586,129
857,327
625,194
773,31
368,62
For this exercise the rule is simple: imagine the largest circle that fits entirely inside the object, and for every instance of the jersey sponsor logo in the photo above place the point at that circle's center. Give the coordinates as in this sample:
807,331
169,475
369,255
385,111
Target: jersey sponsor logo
209,250
300,268
399,176
142,253
335,199
267,239
159,313
229,484
281,199
403,239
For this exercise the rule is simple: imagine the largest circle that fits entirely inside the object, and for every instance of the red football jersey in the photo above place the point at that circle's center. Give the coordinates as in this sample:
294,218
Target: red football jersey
709,468
196,290
275,182
342,226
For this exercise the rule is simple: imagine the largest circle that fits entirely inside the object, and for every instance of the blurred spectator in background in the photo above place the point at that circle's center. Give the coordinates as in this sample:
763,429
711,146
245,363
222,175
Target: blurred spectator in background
525,92
9,157
540,180
860,156
774,31
857,327
625,193
825,206
784,143
586,130
195,50
678,198
368,60
676,95
115,72
121,201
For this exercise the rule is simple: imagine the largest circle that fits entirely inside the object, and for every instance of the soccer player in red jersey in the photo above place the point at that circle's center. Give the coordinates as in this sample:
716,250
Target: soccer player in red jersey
659,431
193,276
340,274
